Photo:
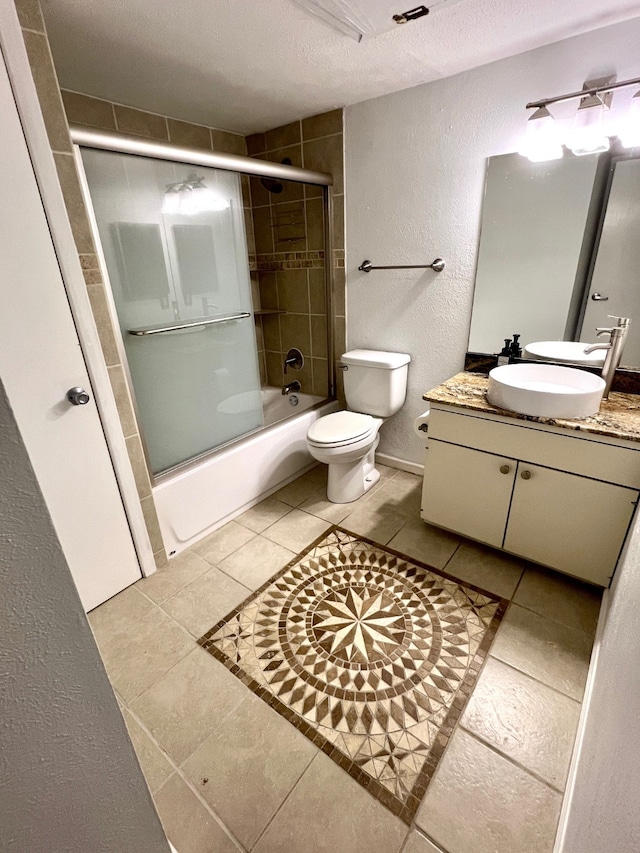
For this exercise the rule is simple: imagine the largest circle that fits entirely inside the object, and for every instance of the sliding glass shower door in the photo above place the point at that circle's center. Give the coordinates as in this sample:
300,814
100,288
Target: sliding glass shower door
175,248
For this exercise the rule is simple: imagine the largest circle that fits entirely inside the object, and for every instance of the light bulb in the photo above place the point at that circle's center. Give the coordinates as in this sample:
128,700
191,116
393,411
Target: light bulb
200,199
630,131
587,135
171,202
542,141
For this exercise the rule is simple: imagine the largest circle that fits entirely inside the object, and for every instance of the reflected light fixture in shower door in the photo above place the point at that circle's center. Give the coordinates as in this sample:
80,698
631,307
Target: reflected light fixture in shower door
192,196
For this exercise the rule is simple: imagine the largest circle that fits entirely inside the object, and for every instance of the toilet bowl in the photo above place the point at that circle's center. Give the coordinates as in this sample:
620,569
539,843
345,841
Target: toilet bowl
346,442
375,387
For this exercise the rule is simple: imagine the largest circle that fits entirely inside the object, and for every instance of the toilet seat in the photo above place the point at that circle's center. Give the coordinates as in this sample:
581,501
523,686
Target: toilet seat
341,429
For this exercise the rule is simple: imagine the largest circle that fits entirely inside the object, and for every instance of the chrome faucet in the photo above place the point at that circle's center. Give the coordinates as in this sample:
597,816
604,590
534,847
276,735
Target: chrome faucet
617,338
291,387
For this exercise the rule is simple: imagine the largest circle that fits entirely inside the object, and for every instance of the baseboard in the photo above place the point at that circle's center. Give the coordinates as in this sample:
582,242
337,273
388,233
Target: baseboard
582,724
400,464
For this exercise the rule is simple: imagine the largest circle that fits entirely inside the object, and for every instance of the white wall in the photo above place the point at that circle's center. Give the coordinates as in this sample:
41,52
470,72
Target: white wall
415,168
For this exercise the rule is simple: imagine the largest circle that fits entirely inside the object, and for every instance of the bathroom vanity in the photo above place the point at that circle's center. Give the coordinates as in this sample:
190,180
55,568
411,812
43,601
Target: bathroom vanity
558,492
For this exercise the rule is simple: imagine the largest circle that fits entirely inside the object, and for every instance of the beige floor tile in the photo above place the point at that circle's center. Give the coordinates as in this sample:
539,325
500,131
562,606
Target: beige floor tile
479,802
154,764
318,504
401,494
527,721
547,650
257,561
179,572
137,657
425,542
204,602
223,542
378,524
188,703
296,530
559,597
251,762
189,824
487,568
299,490
263,515
417,843
118,615
328,812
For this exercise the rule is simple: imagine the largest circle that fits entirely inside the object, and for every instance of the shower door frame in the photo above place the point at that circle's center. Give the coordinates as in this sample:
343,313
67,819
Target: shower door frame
120,143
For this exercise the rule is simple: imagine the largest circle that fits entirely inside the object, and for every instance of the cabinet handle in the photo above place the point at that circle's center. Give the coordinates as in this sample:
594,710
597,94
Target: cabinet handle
526,475
504,469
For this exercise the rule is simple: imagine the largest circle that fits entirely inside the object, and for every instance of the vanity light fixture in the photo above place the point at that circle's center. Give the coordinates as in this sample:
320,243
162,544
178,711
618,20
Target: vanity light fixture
630,130
589,134
186,198
542,141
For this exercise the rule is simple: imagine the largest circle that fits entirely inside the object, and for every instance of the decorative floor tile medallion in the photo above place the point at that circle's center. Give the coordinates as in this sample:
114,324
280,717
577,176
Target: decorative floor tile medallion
369,654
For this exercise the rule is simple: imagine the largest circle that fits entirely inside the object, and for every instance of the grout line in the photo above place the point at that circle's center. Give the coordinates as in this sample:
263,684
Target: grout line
414,828
533,678
511,760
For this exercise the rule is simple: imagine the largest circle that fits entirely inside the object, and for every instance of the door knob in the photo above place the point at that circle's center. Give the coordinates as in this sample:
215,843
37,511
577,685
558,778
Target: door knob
504,469
526,475
598,297
78,396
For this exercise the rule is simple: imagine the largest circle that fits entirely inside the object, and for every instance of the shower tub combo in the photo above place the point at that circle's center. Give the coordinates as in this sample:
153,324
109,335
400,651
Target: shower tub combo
219,425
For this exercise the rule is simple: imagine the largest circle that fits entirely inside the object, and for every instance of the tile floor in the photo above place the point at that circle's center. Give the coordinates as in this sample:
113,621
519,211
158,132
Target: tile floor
498,787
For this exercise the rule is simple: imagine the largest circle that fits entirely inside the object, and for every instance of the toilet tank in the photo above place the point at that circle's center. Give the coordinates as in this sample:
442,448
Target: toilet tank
375,383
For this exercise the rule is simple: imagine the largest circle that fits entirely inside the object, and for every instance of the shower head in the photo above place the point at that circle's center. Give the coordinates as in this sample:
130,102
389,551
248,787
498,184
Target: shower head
273,186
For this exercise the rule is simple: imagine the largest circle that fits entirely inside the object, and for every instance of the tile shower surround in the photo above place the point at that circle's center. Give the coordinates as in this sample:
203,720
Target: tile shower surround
59,108
268,789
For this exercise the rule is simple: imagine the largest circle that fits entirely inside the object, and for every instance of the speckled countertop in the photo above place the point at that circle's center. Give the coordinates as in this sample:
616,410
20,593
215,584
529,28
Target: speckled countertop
619,416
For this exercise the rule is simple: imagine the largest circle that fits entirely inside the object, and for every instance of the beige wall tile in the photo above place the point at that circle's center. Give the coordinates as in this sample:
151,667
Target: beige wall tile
326,155
324,124
256,144
151,520
338,222
46,82
30,15
140,123
275,376
315,224
93,276
271,331
339,292
259,194
295,331
318,336
68,177
139,466
123,401
248,224
317,297
263,230
85,110
287,134
89,261
268,290
230,143
339,343
304,375
320,378
293,291
101,315
190,135
291,152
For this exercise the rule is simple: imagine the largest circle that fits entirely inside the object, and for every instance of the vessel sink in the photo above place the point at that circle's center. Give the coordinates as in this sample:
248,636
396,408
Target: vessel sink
569,352
545,390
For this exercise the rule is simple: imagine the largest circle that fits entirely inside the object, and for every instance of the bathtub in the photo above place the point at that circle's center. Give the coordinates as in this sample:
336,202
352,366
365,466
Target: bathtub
211,491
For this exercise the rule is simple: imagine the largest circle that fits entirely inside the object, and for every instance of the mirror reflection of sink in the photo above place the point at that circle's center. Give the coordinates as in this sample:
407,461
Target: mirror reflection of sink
545,390
567,352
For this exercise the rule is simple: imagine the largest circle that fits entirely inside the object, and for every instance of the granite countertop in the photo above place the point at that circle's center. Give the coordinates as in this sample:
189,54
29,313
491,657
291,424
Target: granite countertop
618,417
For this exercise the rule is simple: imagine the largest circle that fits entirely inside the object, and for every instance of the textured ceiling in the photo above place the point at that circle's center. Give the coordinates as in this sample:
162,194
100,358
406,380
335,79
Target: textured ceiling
250,65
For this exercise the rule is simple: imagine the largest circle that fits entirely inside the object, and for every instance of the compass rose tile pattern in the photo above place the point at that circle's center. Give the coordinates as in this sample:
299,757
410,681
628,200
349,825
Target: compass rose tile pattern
371,655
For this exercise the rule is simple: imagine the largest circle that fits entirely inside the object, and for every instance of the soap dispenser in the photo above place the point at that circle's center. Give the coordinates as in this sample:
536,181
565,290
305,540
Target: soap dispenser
505,352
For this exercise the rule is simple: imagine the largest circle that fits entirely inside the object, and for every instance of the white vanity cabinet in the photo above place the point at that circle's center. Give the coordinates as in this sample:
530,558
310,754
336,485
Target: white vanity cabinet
554,496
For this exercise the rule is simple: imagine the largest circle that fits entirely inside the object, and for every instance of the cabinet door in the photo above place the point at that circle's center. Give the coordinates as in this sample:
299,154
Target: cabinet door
467,491
568,522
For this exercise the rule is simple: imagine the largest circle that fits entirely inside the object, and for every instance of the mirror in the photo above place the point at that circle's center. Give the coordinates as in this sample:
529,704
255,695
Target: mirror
559,250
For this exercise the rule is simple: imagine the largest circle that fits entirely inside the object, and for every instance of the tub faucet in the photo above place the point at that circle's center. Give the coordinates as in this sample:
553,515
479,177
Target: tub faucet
291,387
617,338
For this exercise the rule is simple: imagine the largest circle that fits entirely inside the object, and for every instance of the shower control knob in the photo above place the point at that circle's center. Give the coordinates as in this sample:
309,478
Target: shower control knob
78,396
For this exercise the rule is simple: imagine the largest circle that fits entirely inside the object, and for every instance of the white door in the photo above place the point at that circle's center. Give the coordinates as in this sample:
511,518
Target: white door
40,360
615,283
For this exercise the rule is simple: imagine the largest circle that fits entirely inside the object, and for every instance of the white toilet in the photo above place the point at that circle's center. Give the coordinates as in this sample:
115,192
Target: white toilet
375,387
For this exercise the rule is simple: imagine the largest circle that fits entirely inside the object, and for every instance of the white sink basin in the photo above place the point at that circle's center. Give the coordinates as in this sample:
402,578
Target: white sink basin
545,390
568,352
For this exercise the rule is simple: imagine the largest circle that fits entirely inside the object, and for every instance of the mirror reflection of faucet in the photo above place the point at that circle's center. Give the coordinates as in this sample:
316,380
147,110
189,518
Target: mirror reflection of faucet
617,337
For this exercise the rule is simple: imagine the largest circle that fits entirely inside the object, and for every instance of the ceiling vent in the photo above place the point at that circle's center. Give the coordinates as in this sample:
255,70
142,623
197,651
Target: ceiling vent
361,19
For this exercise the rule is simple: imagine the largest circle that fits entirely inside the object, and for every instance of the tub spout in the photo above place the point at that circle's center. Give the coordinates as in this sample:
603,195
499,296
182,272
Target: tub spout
290,387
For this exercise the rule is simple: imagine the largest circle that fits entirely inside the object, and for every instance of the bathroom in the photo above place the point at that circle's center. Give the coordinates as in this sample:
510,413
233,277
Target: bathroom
408,168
